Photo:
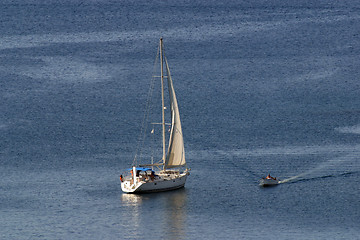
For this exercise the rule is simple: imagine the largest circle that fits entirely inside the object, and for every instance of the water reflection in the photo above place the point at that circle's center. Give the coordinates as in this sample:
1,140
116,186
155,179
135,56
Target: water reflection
175,214
160,213
131,218
131,199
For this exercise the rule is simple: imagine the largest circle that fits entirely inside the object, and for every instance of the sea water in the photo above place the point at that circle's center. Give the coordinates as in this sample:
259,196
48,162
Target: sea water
263,87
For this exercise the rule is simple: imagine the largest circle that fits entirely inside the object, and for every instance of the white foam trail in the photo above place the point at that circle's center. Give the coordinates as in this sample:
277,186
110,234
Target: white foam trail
333,167
292,178
351,129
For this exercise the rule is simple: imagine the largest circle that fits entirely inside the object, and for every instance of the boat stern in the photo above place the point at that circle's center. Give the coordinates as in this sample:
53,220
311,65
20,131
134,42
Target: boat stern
268,182
129,187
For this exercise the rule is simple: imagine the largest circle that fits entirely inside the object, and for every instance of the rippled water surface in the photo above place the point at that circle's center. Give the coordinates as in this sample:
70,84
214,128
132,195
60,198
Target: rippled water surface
263,87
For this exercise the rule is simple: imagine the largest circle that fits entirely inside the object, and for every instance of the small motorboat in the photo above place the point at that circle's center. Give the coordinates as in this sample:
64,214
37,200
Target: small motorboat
269,181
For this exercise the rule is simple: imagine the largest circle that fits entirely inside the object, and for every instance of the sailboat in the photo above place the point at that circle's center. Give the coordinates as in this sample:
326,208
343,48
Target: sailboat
171,171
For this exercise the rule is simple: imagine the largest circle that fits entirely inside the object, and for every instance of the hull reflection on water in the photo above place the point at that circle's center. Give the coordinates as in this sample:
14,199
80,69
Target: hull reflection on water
166,208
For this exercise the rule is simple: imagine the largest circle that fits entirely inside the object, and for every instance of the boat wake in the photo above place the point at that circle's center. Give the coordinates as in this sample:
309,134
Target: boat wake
316,178
339,166
349,129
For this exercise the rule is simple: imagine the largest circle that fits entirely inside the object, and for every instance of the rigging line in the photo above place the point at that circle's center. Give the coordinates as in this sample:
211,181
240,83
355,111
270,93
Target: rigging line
143,131
152,146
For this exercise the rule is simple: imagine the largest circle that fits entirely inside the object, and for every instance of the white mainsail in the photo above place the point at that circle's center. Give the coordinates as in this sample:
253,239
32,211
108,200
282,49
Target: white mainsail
176,153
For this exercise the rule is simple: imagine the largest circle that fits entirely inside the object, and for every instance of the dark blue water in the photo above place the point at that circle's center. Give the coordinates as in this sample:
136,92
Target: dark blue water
263,87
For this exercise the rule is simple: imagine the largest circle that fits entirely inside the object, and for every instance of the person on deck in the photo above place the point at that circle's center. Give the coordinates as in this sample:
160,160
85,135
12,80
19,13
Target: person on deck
152,176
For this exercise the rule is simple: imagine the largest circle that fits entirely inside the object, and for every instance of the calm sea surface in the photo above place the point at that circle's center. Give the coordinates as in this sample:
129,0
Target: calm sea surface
263,87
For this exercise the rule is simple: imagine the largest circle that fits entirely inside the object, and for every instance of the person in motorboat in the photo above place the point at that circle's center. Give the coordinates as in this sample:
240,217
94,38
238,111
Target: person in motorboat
270,177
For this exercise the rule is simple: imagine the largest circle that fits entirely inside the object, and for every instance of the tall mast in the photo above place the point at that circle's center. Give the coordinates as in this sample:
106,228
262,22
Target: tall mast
162,101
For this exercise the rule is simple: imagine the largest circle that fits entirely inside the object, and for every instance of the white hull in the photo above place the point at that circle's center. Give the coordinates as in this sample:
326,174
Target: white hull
162,183
268,182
